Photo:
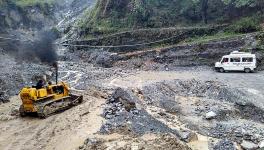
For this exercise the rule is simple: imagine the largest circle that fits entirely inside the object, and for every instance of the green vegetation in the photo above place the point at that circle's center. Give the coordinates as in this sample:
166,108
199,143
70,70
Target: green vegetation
26,3
109,16
206,38
245,25
260,45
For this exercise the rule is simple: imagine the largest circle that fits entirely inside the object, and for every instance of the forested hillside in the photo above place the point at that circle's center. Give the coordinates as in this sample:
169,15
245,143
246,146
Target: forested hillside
33,14
131,74
110,15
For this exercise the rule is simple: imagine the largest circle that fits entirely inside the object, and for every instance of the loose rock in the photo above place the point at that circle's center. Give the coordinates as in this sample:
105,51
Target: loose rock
224,144
247,145
188,136
261,144
126,97
210,115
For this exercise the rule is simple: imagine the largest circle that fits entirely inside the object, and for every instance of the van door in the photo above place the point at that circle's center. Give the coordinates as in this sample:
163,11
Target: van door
235,64
248,62
225,63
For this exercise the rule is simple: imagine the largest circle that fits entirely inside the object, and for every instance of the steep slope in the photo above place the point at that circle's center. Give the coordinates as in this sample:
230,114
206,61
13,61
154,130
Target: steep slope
25,15
22,37
111,15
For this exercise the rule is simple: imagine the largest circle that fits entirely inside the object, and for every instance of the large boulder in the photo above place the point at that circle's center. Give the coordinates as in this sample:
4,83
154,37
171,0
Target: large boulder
247,145
126,97
103,58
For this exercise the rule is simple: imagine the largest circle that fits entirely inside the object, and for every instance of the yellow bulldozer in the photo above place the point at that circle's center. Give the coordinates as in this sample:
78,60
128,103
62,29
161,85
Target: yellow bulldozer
46,100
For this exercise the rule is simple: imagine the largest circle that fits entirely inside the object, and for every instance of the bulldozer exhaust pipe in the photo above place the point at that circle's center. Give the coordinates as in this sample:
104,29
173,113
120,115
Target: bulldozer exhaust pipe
57,74
57,71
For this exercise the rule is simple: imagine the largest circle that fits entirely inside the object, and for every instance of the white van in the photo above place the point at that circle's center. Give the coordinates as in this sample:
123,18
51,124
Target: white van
237,61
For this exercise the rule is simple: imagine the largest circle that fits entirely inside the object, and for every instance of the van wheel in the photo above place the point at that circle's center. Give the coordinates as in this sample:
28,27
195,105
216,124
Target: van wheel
247,70
222,70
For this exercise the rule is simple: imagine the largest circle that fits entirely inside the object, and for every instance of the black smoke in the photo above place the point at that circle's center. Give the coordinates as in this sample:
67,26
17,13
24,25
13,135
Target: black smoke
40,49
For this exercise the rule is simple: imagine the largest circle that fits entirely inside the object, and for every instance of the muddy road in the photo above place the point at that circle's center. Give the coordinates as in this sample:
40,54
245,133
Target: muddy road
251,83
157,92
66,130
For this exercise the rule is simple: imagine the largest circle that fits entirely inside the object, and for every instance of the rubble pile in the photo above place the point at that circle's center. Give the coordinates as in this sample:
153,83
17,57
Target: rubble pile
156,142
209,102
103,58
165,91
239,132
250,111
224,144
123,116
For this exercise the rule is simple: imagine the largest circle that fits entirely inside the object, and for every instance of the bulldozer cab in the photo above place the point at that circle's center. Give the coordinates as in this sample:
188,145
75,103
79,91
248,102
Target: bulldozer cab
58,91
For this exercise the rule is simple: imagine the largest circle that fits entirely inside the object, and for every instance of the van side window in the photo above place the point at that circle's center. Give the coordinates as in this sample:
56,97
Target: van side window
235,59
225,60
247,59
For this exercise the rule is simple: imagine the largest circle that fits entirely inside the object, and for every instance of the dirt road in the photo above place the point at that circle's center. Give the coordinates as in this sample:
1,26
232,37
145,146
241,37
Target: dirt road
69,130
66,130
251,83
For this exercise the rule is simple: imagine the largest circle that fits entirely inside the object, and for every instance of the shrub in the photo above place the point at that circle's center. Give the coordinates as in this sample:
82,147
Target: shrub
26,3
245,25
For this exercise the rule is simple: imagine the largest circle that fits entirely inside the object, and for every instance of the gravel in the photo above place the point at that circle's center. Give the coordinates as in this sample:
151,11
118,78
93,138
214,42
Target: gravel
224,144
133,120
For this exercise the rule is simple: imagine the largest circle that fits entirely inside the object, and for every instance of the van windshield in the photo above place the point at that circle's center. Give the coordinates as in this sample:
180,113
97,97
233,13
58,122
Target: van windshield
224,60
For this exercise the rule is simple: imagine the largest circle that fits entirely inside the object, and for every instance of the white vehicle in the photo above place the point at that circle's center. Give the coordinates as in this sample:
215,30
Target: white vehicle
237,61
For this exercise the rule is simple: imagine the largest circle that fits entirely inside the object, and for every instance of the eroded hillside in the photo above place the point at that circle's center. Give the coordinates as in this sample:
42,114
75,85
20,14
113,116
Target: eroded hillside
143,87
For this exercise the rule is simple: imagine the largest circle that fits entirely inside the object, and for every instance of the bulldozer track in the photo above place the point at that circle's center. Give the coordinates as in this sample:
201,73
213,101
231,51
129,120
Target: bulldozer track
52,107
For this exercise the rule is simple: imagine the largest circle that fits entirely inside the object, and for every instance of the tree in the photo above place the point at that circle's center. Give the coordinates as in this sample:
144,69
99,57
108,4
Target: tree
241,3
204,8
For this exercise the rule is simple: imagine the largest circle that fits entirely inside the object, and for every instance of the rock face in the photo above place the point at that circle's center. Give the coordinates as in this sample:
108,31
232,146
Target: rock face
14,16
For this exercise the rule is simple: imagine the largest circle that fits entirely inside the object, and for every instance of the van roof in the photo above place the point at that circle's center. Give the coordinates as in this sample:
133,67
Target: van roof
237,52
240,54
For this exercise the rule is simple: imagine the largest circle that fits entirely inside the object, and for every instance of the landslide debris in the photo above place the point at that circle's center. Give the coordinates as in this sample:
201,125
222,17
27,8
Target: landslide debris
190,101
224,144
123,116
165,57
3,93
148,142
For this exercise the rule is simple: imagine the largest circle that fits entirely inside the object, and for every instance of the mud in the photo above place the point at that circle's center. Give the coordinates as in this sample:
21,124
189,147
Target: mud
148,142
139,100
